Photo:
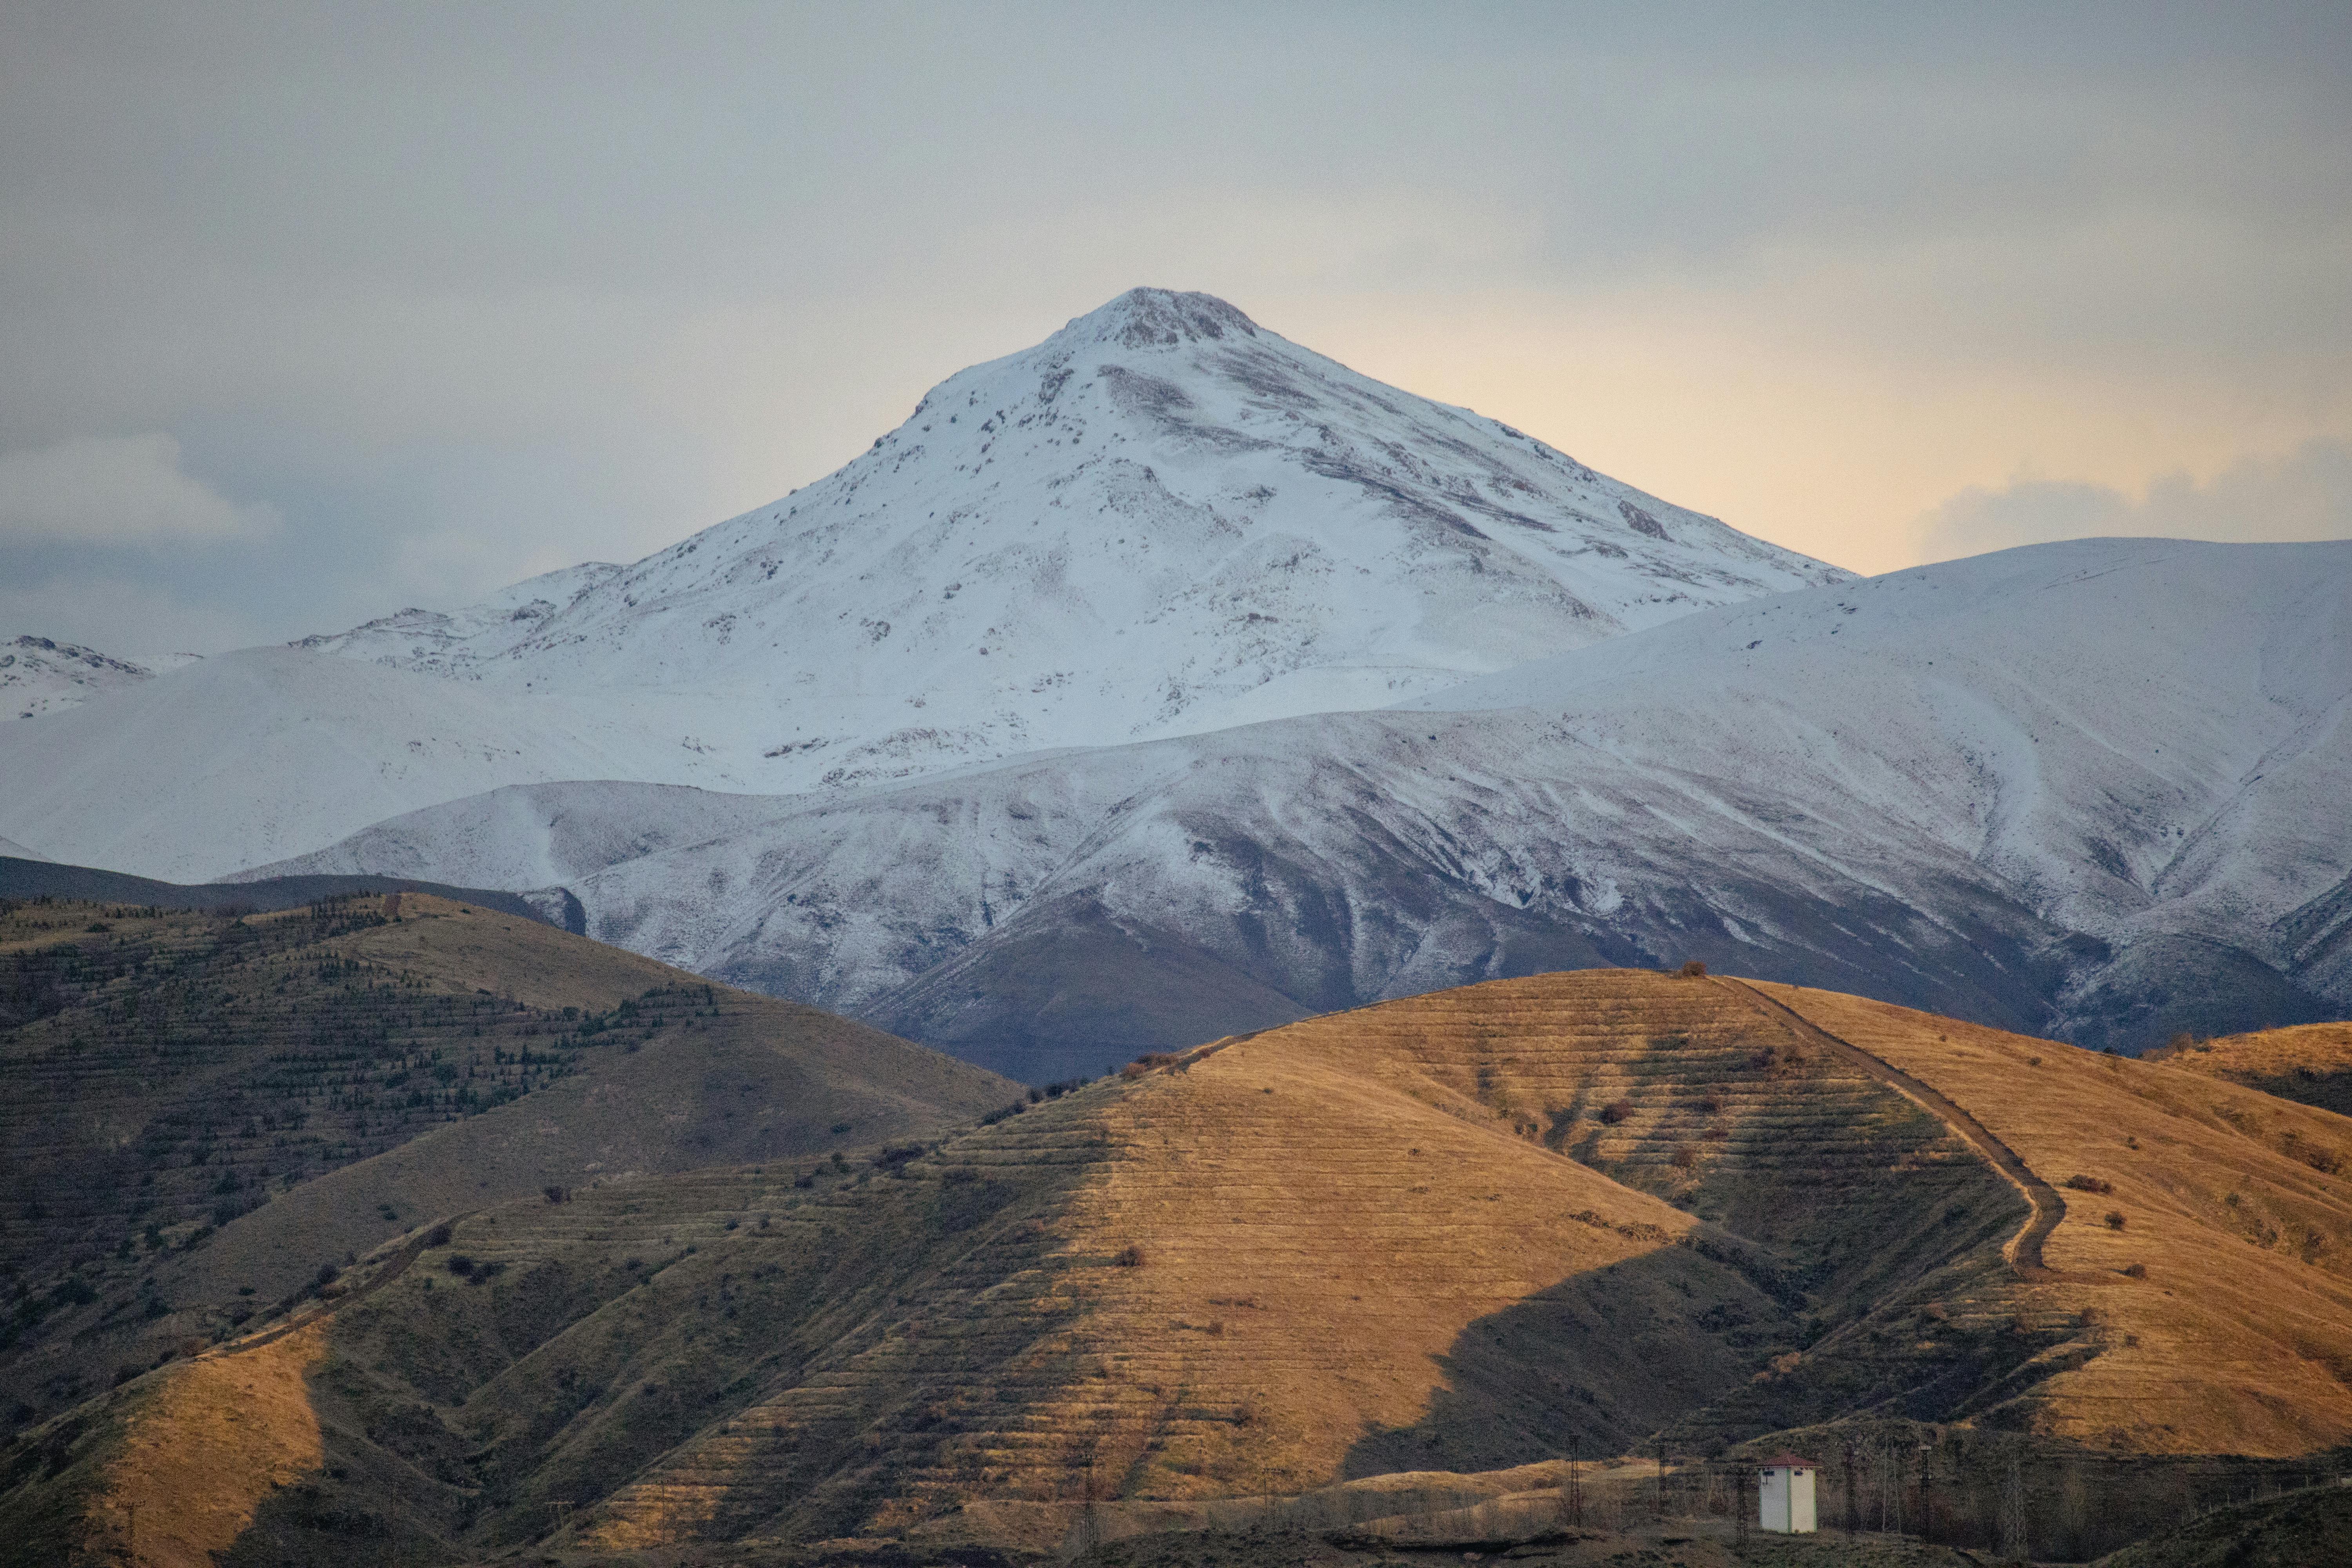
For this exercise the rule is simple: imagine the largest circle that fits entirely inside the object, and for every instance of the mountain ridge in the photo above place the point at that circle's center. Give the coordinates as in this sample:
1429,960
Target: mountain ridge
1188,428
39,675
2048,806
1162,520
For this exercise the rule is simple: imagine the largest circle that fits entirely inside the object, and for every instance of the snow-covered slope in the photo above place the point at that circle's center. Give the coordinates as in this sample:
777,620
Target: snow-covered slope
528,837
433,640
38,675
1164,519
1161,520
256,755
2095,788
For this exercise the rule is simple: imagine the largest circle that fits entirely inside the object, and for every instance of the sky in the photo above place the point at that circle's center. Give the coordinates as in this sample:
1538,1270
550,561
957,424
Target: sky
310,313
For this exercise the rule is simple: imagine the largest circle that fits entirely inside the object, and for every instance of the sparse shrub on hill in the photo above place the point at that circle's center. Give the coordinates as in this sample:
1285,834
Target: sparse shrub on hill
1129,1256
473,1271
2115,1220
1616,1111
1146,1062
2089,1185
1694,970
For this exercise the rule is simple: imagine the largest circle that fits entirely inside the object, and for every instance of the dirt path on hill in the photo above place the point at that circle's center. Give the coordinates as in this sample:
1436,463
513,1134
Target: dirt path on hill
2023,1250
408,1254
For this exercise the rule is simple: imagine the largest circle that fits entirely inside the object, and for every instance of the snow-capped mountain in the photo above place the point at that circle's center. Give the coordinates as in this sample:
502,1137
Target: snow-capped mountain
38,675
1161,520
1164,518
2095,789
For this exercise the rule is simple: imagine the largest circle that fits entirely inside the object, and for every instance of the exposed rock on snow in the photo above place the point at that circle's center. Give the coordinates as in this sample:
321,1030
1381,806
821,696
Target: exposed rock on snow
38,675
434,641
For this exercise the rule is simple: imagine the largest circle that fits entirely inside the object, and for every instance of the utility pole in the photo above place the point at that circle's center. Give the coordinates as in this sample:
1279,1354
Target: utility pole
1890,1481
1927,1496
2013,1542
1662,1480
1739,1515
1852,1498
1574,1495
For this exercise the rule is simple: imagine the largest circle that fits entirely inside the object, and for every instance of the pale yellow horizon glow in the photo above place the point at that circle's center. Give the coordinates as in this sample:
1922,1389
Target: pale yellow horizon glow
1828,448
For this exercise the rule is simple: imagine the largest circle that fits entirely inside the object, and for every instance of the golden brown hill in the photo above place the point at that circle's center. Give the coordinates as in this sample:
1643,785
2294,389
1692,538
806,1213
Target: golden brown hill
2236,1205
2310,1062
204,1112
1452,1234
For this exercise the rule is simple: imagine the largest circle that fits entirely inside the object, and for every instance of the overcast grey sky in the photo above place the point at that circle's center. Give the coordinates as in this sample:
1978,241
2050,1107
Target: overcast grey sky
311,313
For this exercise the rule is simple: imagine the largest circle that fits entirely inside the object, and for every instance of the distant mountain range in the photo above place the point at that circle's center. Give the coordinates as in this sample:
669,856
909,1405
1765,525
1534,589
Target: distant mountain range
1168,680
2092,790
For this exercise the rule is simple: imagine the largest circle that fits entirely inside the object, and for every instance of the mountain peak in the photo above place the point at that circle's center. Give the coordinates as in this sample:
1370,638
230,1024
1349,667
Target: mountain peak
1161,317
1162,519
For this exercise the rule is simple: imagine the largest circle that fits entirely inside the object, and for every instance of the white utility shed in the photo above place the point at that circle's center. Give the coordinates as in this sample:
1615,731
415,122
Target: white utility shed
1784,1495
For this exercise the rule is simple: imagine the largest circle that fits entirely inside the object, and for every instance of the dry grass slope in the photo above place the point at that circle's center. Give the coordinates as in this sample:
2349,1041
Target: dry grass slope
1453,1234
2236,1205
2310,1062
209,1117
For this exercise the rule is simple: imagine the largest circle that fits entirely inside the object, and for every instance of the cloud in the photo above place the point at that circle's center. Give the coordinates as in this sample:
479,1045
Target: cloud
2305,495
131,620
463,295
116,490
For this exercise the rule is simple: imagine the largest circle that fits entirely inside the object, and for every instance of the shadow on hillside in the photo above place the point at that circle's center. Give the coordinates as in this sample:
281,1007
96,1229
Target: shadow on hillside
1677,1342
1661,1335
490,1411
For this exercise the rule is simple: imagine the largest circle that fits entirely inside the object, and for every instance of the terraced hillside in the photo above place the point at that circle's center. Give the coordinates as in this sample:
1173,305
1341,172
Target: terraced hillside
209,1115
1453,1234
2310,1062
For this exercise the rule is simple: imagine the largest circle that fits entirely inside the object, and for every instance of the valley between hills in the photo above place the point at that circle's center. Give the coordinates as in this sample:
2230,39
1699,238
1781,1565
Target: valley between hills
402,1230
